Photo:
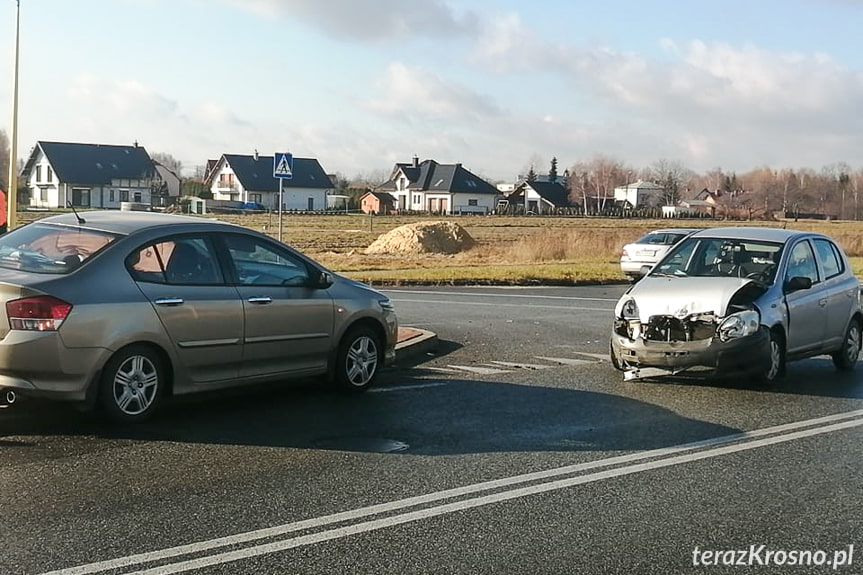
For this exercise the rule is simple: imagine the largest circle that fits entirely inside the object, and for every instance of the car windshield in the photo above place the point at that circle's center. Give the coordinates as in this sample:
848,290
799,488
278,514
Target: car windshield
43,248
713,257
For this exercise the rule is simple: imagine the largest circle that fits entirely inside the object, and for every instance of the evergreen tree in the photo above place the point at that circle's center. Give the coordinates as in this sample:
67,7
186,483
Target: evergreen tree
552,173
531,175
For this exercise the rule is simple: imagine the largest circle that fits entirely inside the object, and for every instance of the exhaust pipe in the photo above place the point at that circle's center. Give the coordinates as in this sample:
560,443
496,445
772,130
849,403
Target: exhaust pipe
7,397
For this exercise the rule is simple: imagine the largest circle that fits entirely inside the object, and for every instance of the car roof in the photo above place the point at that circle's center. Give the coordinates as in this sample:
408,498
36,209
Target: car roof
779,235
128,222
674,230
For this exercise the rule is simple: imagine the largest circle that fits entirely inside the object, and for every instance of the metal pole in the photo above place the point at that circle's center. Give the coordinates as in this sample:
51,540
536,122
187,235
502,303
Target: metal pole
280,208
12,192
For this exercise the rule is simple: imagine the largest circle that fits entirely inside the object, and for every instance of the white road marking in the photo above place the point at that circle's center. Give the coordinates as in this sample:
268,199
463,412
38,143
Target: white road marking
405,387
522,365
566,360
509,295
440,369
599,356
500,305
480,370
663,457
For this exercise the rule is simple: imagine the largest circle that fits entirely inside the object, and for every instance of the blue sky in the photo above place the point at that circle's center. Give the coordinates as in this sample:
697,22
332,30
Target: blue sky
495,85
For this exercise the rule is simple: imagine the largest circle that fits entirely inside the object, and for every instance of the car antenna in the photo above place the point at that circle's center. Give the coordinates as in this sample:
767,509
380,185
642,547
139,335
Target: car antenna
81,220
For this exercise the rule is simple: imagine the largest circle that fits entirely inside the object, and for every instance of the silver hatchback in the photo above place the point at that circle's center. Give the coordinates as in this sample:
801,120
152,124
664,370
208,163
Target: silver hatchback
119,309
740,300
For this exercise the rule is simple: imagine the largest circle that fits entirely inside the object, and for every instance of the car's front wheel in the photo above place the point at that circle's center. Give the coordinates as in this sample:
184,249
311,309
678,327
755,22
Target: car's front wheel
615,360
358,358
131,384
846,357
776,366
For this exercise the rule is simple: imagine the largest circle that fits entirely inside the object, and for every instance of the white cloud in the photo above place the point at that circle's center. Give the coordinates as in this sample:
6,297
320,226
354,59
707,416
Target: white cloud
414,94
370,20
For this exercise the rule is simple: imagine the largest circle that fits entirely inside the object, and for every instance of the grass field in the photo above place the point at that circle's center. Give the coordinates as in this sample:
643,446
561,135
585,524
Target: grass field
509,250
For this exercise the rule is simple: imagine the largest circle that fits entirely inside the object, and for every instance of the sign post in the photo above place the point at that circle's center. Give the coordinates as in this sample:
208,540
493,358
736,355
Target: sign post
283,169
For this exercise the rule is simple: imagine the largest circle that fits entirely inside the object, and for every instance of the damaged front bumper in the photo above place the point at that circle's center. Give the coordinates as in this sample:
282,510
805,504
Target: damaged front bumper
640,357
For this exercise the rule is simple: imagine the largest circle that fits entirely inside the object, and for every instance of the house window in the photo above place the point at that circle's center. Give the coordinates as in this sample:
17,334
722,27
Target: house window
472,202
137,199
111,197
43,194
417,199
124,195
50,174
38,174
256,198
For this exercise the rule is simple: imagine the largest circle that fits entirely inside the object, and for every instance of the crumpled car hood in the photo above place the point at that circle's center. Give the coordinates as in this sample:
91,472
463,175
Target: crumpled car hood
683,296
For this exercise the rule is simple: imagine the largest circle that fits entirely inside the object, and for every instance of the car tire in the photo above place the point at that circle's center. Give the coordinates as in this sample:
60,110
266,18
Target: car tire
358,358
615,361
776,370
845,358
131,385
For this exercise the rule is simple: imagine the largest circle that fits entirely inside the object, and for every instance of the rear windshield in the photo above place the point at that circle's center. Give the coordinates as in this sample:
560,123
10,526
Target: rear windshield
662,238
51,249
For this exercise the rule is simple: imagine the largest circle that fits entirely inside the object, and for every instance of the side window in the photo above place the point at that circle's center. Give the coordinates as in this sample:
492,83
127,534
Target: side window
184,260
828,257
258,262
802,262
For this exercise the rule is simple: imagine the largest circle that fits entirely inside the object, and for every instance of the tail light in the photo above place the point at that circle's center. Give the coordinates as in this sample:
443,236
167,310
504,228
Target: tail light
41,313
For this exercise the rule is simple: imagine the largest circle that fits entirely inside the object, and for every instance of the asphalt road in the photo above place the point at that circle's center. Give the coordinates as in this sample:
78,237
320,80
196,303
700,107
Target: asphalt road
514,448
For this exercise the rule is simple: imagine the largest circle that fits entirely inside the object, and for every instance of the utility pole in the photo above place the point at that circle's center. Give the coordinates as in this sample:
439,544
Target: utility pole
12,192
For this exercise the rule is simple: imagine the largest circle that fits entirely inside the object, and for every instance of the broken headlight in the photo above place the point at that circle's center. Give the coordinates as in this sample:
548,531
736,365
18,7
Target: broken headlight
738,325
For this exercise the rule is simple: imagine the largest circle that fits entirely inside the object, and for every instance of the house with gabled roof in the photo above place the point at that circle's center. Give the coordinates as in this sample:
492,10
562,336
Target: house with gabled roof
539,197
428,186
373,202
249,179
640,194
88,175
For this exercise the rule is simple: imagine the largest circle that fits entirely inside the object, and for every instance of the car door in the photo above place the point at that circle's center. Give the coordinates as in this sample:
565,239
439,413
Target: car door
841,290
288,322
201,313
807,308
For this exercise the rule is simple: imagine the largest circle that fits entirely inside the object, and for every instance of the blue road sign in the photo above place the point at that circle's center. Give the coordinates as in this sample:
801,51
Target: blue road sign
283,166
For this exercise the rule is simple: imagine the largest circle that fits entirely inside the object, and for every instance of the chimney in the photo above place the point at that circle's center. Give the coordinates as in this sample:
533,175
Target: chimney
416,161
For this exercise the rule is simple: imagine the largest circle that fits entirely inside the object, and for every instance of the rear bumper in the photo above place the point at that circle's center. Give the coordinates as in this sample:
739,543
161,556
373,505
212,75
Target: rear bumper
749,354
39,364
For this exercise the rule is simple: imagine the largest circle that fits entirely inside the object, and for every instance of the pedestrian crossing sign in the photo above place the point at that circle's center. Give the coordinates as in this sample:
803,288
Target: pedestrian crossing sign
283,166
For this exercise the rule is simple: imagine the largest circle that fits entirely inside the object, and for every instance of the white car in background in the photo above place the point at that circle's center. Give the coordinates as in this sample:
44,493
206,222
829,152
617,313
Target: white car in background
649,249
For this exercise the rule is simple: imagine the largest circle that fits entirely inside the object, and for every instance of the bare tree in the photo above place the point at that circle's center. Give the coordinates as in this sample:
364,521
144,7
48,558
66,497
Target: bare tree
168,161
671,175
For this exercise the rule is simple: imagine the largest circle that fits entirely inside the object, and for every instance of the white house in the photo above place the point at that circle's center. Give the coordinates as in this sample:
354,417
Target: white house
88,175
250,179
640,194
439,188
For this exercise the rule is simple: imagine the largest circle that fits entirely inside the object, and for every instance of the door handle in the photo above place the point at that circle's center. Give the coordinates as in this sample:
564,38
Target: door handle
822,302
169,301
263,300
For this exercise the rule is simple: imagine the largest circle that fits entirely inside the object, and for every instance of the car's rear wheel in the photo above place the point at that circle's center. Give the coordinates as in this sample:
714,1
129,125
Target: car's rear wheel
846,357
131,384
359,355
776,367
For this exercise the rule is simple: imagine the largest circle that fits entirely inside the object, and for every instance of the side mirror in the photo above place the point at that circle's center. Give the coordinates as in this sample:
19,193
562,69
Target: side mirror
324,280
645,269
797,283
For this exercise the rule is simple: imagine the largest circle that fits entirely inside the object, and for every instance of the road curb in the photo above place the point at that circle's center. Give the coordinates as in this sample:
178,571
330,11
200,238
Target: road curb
414,341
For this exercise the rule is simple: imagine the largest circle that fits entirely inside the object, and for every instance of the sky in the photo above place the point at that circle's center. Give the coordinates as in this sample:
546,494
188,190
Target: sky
496,85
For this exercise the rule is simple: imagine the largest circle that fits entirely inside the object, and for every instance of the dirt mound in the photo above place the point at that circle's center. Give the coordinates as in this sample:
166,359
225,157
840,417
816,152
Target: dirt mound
423,238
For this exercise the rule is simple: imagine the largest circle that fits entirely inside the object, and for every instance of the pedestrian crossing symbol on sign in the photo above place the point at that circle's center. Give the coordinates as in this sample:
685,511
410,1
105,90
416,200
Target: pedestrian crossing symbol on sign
283,166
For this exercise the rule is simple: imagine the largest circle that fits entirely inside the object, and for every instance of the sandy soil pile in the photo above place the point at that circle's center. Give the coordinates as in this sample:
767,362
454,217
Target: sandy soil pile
423,238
